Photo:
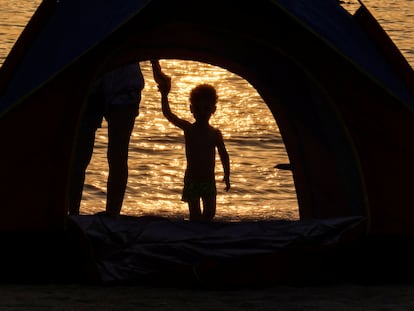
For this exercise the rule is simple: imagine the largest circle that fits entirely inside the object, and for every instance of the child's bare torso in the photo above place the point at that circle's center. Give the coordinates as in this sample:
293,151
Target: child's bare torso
200,142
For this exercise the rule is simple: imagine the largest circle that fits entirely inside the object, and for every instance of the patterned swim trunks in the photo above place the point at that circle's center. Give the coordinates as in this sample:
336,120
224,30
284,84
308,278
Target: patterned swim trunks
194,190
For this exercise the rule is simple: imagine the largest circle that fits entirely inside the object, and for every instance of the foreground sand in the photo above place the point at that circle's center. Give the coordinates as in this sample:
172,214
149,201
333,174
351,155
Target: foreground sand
83,297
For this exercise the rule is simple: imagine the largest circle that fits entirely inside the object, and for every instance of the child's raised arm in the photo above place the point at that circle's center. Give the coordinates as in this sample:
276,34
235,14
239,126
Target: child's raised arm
164,86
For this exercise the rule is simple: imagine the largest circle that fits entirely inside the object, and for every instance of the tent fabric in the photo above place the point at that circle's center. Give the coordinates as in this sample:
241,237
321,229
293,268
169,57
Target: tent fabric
335,97
152,249
342,32
76,26
44,88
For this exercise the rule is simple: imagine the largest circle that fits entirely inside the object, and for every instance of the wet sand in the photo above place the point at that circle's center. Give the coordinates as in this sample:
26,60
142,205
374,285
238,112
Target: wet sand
102,298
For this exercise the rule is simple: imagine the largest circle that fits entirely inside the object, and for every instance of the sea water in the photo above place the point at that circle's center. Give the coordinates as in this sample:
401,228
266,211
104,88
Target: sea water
157,159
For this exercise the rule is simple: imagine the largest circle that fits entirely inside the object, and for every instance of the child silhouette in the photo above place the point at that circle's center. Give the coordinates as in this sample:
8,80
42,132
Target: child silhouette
201,141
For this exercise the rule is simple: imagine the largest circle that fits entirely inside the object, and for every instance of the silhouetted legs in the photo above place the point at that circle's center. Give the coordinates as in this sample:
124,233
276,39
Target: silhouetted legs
209,209
121,119
83,155
195,210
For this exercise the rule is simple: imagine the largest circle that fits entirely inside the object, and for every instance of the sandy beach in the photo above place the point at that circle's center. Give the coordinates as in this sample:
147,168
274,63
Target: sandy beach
87,297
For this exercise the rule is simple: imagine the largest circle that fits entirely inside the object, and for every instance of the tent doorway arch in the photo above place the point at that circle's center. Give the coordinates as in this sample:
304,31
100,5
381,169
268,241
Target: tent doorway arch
157,160
324,165
336,103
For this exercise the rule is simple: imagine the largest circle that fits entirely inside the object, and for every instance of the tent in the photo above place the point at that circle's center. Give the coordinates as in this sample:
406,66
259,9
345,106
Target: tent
339,89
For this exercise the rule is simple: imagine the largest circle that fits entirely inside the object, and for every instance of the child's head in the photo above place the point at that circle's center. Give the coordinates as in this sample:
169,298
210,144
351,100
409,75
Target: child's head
203,99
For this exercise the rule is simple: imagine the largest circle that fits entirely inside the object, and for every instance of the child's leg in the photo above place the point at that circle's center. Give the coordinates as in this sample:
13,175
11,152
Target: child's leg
209,208
195,210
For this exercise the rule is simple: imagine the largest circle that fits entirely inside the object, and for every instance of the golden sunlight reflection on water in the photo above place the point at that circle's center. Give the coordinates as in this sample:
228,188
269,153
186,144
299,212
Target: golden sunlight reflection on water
157,156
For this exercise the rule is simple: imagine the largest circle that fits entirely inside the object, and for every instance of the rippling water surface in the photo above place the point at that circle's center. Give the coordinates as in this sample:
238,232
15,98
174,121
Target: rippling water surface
157,160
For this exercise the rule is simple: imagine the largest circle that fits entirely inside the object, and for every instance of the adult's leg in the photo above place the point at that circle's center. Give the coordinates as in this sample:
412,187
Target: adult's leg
209,208
121,119
82,157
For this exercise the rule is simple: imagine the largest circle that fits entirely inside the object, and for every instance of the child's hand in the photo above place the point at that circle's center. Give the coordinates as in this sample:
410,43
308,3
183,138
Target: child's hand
163,81
227,181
